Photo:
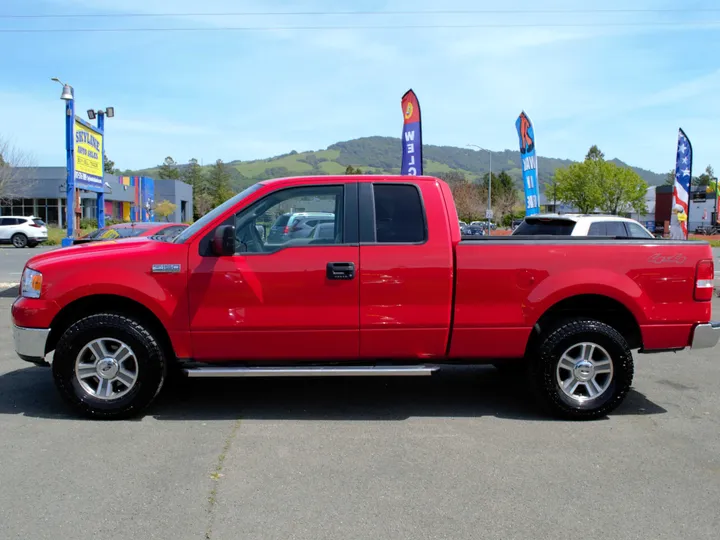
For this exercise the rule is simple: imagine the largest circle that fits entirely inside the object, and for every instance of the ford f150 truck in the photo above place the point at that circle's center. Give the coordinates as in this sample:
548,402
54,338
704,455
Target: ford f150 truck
390,289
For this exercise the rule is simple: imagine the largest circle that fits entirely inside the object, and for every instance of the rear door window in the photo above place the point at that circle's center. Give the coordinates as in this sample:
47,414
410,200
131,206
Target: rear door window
598,229
399,214
615,228
545,226
636,231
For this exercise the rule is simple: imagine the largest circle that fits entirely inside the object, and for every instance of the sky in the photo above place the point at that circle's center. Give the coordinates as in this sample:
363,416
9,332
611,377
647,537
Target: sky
624,79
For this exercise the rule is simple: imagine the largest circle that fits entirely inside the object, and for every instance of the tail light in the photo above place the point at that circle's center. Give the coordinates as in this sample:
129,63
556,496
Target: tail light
286,229
36,225
704,280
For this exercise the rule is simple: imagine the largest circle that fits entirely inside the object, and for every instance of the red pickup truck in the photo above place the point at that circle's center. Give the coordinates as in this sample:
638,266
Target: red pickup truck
388,288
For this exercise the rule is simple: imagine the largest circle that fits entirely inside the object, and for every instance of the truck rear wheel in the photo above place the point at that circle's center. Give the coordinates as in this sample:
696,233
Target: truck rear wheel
583,369
108,366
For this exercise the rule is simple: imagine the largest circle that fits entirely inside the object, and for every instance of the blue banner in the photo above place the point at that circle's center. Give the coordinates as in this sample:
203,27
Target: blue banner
528,158
412,136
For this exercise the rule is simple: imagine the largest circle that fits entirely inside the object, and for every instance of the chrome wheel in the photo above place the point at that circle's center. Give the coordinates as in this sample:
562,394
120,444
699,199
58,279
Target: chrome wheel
106,368
584,372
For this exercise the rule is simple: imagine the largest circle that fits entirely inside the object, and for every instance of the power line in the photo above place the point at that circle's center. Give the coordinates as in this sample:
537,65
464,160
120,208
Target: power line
362,13
688,24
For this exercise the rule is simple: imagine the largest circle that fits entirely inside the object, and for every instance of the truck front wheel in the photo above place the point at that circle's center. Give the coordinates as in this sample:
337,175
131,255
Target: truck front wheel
108,366
583,369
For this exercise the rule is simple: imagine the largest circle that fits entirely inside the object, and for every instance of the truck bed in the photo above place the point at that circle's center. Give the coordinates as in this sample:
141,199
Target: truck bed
505,284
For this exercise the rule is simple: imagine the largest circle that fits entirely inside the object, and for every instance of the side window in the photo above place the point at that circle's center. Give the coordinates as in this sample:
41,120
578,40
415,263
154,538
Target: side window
399,214
269,225
170,231
636,231
4,221
616,228
597,229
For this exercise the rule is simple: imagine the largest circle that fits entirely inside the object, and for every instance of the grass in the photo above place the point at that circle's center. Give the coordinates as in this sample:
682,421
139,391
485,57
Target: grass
55,235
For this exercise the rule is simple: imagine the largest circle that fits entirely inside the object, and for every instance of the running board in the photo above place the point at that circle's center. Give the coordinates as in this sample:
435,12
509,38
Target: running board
311,371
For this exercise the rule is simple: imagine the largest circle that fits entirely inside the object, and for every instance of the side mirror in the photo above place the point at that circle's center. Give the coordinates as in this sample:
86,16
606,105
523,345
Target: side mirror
223,242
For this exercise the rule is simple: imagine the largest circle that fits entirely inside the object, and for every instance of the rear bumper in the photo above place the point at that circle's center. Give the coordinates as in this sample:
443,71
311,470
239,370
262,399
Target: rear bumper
30,343
706,336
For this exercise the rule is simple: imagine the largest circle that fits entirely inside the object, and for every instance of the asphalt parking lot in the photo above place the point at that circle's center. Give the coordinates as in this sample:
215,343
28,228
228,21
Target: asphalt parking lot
464,455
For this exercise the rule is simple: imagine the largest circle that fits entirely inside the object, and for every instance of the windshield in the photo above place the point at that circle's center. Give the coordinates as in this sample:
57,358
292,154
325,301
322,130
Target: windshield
207,218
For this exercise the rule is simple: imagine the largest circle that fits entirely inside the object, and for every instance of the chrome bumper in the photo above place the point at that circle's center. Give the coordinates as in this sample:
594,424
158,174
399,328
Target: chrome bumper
30,343
706,336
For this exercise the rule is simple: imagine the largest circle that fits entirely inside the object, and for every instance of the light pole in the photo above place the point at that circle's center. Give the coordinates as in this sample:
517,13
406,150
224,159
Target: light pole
489,207
100,115
68,96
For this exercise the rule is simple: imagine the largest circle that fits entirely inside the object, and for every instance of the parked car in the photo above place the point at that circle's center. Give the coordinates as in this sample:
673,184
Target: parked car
323,231
473,230
582,225
130,230
296,225
396,292
484,224
22,231
462,224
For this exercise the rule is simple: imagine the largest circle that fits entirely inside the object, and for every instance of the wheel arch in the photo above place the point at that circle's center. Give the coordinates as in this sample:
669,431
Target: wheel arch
107,303
595,306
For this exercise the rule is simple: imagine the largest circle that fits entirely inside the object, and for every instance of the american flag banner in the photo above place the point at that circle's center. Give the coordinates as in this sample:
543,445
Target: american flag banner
683,175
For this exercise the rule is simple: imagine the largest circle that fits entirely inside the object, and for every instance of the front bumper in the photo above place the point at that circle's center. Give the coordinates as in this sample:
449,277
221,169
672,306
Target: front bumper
706,336
30,343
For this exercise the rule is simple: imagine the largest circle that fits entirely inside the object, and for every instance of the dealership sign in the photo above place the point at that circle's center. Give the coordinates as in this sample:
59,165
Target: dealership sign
88,156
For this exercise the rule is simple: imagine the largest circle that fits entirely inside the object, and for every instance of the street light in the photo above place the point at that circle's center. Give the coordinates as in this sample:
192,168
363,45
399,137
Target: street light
67,93
489,207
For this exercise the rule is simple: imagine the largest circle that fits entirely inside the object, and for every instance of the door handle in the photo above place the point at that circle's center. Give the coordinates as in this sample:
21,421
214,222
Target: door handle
340,270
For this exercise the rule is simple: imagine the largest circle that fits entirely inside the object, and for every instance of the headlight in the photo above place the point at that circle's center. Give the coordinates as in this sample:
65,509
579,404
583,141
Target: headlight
31,283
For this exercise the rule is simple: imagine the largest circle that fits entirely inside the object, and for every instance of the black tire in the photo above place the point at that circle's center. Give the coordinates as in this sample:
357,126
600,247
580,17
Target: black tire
19,240
553,344
151,366
32,244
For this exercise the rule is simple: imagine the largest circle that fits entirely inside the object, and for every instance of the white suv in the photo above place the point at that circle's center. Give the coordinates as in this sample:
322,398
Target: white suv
581,225
22,231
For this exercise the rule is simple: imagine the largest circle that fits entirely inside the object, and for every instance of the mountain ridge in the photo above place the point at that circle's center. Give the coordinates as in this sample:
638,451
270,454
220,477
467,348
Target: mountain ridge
382,155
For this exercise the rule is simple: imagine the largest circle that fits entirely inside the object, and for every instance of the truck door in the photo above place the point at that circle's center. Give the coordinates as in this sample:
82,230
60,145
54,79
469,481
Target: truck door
281,297
406,270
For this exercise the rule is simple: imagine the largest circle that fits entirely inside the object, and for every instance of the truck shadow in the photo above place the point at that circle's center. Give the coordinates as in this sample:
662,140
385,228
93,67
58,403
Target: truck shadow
468,392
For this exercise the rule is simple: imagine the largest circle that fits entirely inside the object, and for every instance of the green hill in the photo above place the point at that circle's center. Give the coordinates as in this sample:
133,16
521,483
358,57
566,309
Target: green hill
381,155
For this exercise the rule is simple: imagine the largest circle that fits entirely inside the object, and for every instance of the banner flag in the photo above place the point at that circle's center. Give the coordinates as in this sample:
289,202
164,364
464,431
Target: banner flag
683,175
528,158
411,136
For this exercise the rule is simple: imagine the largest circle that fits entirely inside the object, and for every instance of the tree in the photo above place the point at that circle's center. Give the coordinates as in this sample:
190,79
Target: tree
594,154
351,170
195,175
202,204
169,170
468,200
670,178
598,184
452,177
577,185
705,178
109,165
165,209
14,182
622,188
219,183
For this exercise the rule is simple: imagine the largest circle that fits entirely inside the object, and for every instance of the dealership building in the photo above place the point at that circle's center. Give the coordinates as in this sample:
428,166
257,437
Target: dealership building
41,192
